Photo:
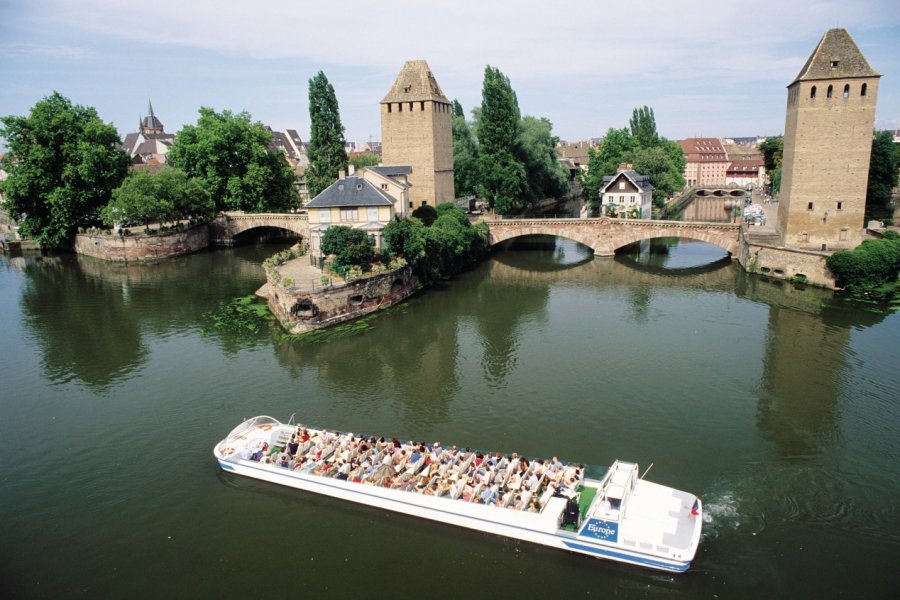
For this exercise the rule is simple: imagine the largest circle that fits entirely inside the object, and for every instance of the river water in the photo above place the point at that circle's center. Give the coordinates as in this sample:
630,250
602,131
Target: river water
777,406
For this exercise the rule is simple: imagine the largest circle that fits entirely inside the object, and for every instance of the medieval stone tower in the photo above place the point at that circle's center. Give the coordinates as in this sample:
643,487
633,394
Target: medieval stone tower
827,143
416,131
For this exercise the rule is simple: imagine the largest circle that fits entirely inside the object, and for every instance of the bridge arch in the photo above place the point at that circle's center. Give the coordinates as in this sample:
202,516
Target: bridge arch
227,226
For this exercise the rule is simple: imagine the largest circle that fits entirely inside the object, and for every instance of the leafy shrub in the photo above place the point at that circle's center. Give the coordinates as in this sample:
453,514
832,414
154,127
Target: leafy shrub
871,264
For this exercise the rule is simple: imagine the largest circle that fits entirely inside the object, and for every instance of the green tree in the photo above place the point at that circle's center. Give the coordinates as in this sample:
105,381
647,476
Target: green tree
228,155
465,154
615,148
327,154
166,196
426,213
405,237
448,246
648,152
660,163
501,174
643,127
772,150
63,164
882,177
364,160
351,247
536,150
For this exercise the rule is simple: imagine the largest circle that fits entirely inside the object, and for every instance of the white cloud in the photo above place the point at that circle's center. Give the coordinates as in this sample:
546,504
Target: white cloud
525,39
45,51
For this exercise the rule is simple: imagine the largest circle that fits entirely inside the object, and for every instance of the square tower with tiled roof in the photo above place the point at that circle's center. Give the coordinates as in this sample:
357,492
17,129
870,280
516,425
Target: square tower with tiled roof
416,131
827,144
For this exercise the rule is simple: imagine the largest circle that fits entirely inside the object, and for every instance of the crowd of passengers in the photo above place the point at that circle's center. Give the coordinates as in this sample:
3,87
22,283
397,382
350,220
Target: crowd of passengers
508,481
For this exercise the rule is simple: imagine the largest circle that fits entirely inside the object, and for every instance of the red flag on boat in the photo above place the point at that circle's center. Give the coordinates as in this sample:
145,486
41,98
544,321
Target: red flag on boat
695,509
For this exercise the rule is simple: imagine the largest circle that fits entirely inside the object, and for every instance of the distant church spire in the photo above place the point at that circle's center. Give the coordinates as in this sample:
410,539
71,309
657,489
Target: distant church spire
150,124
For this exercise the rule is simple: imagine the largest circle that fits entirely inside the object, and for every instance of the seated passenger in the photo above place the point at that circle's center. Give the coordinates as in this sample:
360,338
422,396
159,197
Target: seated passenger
490,495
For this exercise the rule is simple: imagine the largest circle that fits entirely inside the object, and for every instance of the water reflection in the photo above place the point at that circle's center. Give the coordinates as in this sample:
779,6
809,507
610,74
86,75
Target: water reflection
86,329
90,317
805,363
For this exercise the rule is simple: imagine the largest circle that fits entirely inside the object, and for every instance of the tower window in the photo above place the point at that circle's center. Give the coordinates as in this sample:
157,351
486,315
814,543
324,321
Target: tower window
410,107
809,206
830,91
834,64
862,89
812,93
422,106
840,206
389,107
399,107
846,91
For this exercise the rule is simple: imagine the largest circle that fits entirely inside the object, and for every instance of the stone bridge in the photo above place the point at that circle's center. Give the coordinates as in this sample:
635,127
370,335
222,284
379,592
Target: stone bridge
227,226
606,235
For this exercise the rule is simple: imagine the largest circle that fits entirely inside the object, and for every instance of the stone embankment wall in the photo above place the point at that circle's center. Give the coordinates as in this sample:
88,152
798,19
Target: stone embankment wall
139,248
300,311
784,263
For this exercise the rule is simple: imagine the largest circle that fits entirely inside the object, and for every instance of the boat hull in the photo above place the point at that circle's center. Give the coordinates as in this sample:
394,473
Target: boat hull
523,526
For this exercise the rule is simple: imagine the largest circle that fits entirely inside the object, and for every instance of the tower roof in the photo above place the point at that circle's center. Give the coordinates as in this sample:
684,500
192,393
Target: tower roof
836,57
414,83
150,121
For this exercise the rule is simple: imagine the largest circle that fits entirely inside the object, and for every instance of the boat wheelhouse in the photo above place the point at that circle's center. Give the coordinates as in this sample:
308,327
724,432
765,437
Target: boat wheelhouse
620,516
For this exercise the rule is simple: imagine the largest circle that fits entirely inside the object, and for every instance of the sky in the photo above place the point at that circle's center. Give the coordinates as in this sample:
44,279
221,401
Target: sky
707,68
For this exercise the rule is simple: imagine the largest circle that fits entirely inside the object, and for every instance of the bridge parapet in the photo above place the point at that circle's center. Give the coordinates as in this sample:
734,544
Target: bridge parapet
605,235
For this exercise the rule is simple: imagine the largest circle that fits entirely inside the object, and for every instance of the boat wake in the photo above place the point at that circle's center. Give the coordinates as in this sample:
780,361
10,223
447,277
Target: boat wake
723,512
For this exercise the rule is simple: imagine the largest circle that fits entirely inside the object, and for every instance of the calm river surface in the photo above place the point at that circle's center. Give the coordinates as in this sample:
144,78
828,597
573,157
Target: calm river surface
777,406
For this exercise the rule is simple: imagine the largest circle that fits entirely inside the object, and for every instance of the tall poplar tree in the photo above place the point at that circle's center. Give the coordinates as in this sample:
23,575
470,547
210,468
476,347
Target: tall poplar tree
327,155
502,175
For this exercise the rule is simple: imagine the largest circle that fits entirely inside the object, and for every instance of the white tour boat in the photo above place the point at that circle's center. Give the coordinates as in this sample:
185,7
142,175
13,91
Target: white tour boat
619,517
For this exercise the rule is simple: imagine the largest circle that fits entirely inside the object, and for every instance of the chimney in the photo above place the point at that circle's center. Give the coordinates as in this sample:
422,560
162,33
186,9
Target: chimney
351,169
341,174
625,167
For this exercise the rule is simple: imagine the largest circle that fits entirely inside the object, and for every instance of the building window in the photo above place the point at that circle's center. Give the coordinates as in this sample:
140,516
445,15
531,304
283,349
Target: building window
809,206
840,206
410,107
373,214
830,92
384,186
410,203
804,236
843,234
422,106
348,214
621,185
389,107
862,89
424,202
834,64
846,91
812,93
